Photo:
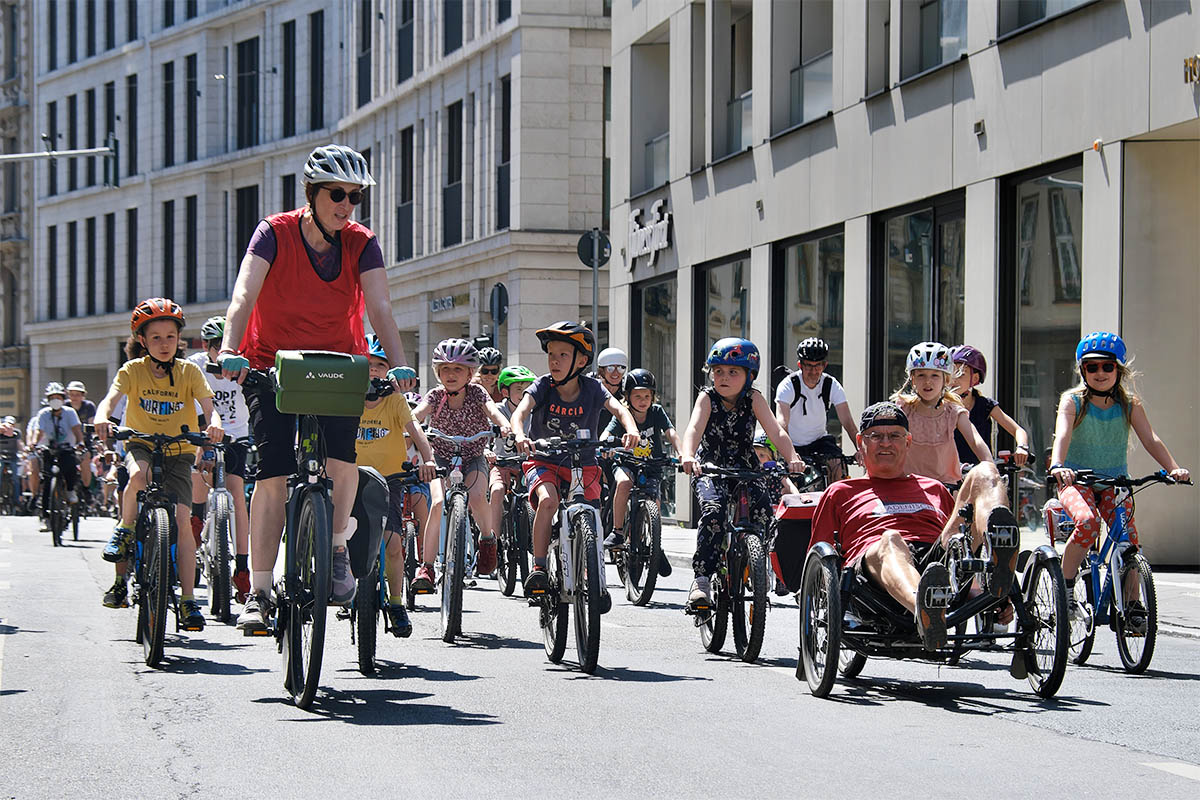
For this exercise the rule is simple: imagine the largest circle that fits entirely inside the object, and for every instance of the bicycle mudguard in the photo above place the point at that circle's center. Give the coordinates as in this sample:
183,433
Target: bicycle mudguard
370,512
1028,558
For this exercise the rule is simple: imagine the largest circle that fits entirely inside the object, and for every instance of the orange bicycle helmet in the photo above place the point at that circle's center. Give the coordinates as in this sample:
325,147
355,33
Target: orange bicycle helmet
155,308
574,334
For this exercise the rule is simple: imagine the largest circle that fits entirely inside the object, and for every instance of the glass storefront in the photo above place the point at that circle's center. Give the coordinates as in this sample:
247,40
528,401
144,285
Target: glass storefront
655,318
722,305
922,284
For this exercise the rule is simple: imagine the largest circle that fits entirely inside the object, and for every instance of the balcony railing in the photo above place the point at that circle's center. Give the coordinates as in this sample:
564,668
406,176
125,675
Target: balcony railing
739,129
657,160
812,89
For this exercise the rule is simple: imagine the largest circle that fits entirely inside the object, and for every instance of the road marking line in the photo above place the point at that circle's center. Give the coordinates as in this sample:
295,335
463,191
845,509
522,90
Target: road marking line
1177,768
2,638
1178,584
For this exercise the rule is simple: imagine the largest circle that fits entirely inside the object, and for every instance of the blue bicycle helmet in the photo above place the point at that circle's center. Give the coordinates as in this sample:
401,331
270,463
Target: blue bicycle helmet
1101,344
734,352
375,348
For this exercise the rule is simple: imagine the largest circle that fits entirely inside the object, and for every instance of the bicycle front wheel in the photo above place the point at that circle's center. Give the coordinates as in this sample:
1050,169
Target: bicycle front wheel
589,584
748,593
54,514
645,550
552,610
506,562
1135,643
366,620
218,557
455,567
155,583
1083,628
411,554
307,586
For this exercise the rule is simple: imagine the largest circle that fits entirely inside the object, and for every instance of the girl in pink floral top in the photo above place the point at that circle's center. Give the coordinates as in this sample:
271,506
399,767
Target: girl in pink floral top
459,407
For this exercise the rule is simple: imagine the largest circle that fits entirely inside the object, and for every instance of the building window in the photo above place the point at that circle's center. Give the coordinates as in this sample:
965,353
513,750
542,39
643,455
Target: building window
72,269
452,25
504,10
131,20
287,191
131,257
190,9
722,305
131,125
51,37
404,42
110,263
916,286
89,134
168,256
11,42
364,52
72,33
289,78
72,142
732,73
110,114
89,264
404,211
650,67
191,88
247,93
316,70
504,170
52,272
453,167
89,27
655,321
169,114
1016,14
810,83
169,13
811,274
879,45
606,167
12,176
110,24
52,163
246,219
191,248
933,32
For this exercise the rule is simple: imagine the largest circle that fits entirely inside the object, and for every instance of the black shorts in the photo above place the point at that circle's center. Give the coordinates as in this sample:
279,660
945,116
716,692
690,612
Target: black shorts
825,448
275,436
923,553
235,458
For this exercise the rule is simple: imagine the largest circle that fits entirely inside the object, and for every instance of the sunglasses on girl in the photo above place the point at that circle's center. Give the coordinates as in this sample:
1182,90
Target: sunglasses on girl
1092,367
490,371
337,194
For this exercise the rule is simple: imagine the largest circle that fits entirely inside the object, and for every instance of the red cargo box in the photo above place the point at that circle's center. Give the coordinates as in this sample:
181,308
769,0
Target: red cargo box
793,532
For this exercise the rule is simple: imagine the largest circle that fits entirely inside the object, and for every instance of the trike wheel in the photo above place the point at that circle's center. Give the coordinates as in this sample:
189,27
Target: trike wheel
850,663
1049,642
820,624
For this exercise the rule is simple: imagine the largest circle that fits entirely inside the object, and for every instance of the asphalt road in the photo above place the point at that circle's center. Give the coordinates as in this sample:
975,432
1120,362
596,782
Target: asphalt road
81,715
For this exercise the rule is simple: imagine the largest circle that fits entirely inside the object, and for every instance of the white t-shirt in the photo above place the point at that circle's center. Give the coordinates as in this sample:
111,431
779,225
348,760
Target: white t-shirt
805,428
228,400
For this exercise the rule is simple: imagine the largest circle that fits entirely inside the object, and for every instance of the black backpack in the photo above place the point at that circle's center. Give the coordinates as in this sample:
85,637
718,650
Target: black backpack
826,390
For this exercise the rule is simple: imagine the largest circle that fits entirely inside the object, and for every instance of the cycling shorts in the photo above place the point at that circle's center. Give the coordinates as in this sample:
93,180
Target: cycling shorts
539,472
177,470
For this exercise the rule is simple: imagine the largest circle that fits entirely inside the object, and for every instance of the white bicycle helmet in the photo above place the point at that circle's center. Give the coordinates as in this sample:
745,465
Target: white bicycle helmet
929,355
53,388
456,351
76,386
612,357
336,163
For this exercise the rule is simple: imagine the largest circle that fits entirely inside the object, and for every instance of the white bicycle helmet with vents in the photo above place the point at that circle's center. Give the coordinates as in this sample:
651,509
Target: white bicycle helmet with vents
612,357
54,388
929,355
336,163
456,351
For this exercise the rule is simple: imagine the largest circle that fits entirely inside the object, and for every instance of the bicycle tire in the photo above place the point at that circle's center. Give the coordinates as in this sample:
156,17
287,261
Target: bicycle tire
1049,646
715,626
748,600
410,563
524,544
1083,632
1135,651
642,567
219,579
366,620
308,586
54,514
454,571
589,584
850,663
552,611
506,562
156,583
75,514
820,624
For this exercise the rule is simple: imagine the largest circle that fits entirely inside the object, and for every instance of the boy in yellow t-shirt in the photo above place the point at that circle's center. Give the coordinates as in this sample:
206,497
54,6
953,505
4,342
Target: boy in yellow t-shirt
381,431
161,390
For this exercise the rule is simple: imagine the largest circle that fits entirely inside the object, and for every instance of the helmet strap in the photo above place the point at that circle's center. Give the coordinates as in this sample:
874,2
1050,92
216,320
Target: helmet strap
312,212
573,373
168,366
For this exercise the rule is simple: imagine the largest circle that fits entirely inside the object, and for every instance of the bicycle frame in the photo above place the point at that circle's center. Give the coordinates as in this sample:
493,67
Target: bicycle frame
1110,552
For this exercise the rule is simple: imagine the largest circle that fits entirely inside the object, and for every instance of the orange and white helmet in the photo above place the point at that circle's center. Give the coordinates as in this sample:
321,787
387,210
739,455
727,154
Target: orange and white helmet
155,308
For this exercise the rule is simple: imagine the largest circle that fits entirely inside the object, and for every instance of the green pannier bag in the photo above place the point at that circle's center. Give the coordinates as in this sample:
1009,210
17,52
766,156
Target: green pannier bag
321,382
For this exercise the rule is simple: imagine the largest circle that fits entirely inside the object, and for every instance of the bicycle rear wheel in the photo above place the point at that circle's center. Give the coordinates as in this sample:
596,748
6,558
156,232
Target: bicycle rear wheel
589,583
366,620
748,598
54,514
455,567
155,582
552,611
506,547
218,557
1136,648
308,586
715,626
411,549
75,515
644,551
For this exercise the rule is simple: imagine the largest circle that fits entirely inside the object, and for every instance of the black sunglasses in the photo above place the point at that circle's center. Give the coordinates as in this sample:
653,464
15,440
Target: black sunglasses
337,194
1093,367
490,371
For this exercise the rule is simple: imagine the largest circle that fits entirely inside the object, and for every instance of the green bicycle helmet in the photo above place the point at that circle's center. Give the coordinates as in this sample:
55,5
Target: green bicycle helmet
213,328
515,374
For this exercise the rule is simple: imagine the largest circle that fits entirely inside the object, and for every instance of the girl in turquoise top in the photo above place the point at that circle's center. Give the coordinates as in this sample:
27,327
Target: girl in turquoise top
1092,432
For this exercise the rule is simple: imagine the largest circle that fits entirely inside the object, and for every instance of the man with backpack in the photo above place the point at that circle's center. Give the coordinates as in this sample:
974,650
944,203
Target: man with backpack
802,403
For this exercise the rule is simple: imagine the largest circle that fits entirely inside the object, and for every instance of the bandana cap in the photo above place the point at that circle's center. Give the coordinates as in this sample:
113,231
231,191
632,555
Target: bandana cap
885,413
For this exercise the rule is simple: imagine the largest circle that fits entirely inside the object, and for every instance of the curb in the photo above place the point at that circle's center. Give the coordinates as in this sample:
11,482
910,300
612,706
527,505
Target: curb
1179,632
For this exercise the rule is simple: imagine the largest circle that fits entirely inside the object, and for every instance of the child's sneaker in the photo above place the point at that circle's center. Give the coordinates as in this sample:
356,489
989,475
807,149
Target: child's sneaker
191,617
117,595
700,595
398,620
485,557
117,549
537,583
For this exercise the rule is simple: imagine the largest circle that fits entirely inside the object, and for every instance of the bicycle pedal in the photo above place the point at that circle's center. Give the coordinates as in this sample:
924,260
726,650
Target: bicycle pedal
423,591
257,632
343,613
1004,536
191,628
938,597
968,565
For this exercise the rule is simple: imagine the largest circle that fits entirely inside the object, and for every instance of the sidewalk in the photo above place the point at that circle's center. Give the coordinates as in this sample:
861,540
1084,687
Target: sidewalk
1178,591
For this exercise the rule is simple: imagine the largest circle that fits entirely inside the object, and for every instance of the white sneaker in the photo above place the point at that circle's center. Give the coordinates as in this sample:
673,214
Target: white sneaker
701,592
71,498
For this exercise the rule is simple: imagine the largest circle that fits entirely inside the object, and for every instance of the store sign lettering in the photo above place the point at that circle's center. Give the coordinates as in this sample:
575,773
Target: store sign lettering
1191,69
655,236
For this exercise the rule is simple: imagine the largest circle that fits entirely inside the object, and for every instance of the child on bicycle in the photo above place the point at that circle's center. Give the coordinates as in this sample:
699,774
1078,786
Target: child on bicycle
1092,432
935,412
459,407
381,444
765,451
561,403
653,426
512,383
970,368
721,432
162,389
488,375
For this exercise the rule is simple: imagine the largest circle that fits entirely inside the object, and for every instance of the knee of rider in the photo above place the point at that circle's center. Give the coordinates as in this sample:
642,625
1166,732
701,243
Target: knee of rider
893,539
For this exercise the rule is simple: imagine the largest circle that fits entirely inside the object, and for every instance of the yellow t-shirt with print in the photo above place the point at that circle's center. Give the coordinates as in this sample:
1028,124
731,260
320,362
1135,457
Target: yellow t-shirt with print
160,405
381,443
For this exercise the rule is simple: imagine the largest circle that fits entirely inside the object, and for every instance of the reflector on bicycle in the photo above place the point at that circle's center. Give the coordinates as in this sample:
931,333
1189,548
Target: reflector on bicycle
321,382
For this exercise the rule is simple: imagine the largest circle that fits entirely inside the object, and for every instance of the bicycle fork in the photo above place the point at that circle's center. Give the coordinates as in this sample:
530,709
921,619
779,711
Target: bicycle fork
567,543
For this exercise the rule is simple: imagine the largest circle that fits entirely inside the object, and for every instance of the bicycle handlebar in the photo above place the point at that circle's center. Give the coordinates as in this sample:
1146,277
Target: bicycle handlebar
742,474
408,474
163,440
1087,477
264,380
625,458
434,433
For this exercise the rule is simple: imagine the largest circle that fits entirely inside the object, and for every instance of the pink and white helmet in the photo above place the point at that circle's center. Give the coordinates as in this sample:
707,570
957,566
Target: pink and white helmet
929,355
456,351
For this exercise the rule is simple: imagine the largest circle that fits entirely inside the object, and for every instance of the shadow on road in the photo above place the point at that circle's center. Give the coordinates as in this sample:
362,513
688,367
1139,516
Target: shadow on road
959,697
383,707
8,630
490,641
7,692
627,675
1150,673
396,669
190,665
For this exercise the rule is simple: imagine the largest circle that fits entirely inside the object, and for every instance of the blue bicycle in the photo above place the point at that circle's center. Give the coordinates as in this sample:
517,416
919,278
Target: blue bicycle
1133,613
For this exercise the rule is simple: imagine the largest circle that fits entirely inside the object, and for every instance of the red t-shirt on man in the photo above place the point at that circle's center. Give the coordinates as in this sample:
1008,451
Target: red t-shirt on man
860,510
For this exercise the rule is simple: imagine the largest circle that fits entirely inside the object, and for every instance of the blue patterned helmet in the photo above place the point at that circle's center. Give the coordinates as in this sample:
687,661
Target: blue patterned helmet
1101,344
929,355
375,348
734,352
